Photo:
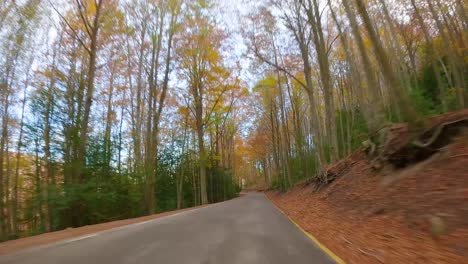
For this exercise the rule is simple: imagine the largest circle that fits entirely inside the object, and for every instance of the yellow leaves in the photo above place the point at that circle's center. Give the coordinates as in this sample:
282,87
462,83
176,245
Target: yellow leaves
266,83
29,10
81,18
267,88
244,92
445,9
91,7
216,157
300,76
367,42
113,22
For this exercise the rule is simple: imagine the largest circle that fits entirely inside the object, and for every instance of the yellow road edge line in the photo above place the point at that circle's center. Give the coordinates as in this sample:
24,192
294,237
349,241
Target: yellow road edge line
330,253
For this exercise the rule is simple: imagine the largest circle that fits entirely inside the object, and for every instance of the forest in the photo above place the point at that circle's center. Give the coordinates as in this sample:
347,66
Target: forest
113,109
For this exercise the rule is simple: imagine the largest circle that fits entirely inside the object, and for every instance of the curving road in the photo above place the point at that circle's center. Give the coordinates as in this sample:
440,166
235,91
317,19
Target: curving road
241,231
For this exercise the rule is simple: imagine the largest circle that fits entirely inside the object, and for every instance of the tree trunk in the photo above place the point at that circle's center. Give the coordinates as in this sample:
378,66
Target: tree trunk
3,139
15,201
314,20
107,130
398,94
373,85
201,150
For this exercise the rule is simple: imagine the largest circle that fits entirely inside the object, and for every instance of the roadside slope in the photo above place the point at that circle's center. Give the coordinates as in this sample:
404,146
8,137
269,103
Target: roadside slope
416,214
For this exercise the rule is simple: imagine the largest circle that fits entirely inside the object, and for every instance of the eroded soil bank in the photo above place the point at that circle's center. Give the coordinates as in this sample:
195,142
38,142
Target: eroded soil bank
418,214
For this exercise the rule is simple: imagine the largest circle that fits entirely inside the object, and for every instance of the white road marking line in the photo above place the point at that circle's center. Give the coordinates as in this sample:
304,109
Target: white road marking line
81,238
152,220
137,224
61,242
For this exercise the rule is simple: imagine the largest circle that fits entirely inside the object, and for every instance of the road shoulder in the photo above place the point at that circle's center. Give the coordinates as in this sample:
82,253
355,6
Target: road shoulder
13,246
319,245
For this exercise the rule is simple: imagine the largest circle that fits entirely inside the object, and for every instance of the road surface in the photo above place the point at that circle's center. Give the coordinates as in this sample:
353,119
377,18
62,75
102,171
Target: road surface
247,230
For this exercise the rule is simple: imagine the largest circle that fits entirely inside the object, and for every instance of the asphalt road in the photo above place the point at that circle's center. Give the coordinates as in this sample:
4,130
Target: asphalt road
247,230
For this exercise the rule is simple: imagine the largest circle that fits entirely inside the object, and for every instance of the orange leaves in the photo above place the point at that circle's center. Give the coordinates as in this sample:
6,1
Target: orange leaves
186,117
183,110
258,145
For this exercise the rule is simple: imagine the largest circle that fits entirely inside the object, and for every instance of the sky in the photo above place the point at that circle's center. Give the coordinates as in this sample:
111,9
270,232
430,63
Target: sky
229,13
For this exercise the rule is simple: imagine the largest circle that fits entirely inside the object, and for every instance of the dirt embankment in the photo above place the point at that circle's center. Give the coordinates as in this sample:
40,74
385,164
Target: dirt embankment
414,214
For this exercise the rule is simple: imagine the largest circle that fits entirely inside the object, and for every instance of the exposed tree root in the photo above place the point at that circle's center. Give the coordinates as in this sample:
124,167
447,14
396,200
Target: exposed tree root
414,150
